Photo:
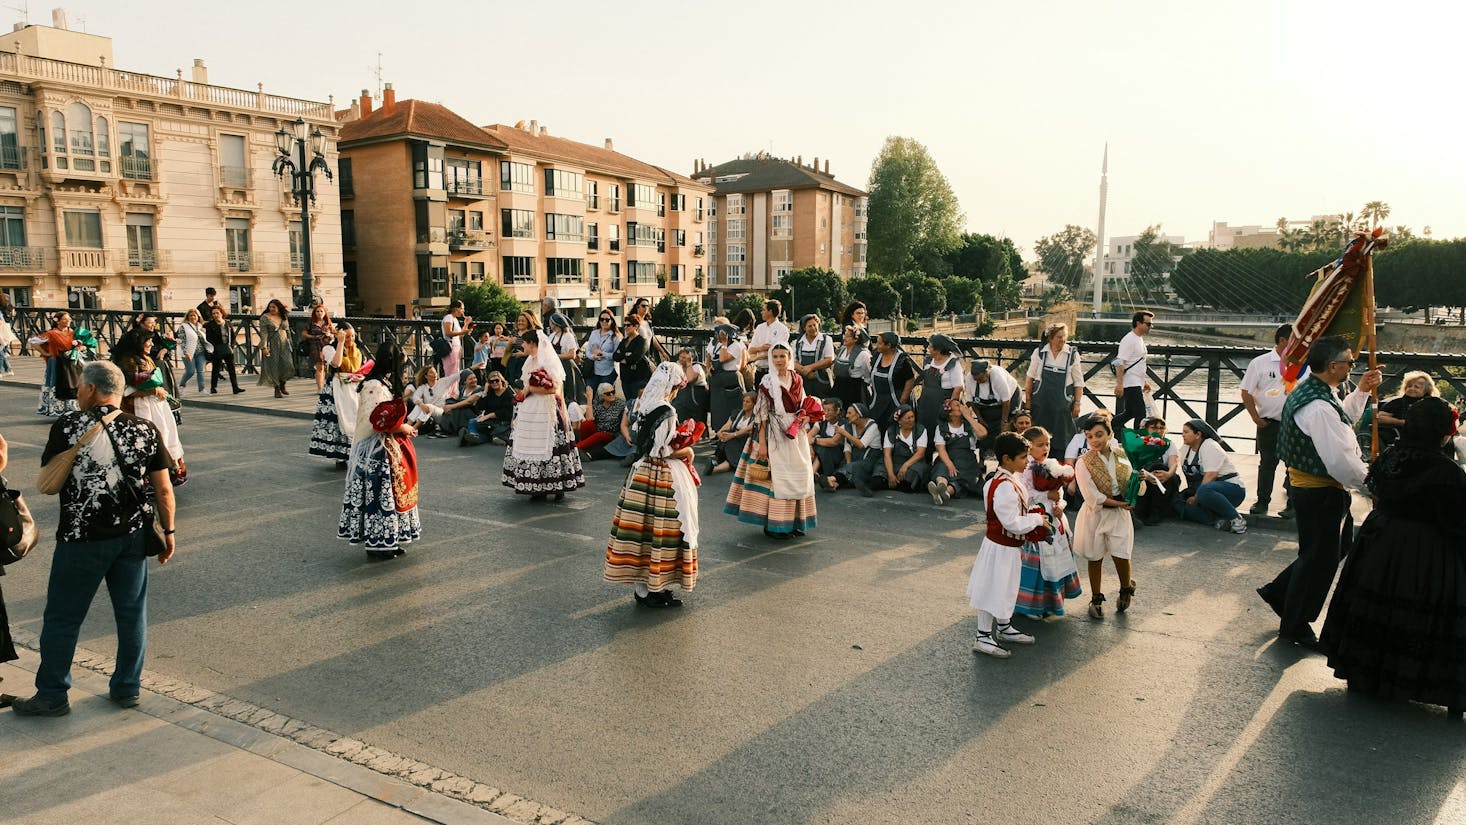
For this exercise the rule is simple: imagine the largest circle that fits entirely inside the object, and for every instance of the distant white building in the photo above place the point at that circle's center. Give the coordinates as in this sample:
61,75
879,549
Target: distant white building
1225,236
1120,252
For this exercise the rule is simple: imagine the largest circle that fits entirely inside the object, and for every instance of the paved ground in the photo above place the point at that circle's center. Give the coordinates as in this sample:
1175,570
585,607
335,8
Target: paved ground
825,681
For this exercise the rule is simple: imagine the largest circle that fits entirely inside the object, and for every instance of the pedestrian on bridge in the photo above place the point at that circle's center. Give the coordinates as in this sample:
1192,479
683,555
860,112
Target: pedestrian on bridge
1131,384
1054,385
1263,394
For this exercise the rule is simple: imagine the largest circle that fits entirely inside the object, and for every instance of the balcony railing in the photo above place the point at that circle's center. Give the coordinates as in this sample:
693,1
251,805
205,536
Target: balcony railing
84,260
148,260
697,281
592,201
22,257
135,167
697,251
615,245
469,239
593,243
241,261
469,188
568,279
613,205
697,215
12,157
236,177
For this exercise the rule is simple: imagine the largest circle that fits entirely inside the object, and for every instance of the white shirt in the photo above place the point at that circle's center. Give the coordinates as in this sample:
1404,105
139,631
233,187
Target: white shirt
766,334
915,441
1132,359
1264,382
1334,439
958,432
821,346
999,387
870,437
1043,354
951,370
860,364
1079,445
1009,504
1211,458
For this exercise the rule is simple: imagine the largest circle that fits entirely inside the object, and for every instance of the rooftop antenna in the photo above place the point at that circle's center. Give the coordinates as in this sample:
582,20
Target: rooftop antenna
376,71
25,11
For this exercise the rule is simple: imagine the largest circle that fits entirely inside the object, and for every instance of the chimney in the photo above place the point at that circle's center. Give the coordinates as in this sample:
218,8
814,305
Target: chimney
827,166
365,102
544,130
389,98
611,147
799,160
200,72
816,166
58,19
534,127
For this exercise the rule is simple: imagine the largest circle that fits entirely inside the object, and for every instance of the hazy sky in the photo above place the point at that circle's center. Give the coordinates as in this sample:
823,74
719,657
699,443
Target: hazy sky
1241,111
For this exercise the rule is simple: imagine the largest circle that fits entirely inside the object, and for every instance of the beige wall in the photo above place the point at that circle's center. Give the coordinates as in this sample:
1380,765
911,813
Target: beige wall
386,235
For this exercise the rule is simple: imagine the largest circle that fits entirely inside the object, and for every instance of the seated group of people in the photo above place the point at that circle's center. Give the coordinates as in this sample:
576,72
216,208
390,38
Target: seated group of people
445,406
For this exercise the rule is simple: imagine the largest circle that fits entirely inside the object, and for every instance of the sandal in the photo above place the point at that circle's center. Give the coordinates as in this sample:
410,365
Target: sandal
1097,606
1123,603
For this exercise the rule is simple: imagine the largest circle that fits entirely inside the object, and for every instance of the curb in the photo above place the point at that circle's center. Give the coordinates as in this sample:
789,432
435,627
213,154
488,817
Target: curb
399,781
209,405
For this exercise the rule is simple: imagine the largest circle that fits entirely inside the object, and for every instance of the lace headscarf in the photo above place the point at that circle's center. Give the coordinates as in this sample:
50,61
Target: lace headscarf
667,378
545,358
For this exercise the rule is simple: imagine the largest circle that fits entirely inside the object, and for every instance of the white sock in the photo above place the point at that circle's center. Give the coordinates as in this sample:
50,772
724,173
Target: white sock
641,589
984,621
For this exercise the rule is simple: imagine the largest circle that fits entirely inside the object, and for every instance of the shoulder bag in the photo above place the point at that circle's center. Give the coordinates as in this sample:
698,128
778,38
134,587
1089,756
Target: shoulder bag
18,535
55,472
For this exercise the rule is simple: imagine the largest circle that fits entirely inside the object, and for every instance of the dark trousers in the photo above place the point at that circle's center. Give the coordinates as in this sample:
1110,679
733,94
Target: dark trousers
1325,531
1132,408
1157,500
222,358
1267,464
78,568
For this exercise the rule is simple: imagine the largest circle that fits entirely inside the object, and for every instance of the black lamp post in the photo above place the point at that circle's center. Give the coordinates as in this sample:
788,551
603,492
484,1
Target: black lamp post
303,187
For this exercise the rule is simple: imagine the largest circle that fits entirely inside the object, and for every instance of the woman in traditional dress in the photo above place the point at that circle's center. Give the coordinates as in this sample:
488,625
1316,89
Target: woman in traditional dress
1397,624
542,459
725,377
161,345
1038,595
145,395
57,344
852,367
891,378
512,361
277,358
335,418
774,484
814,355
943,382
1103,526
379,508
1054,385
654,534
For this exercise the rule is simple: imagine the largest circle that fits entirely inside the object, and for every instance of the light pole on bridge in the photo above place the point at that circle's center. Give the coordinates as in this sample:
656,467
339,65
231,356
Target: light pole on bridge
303,188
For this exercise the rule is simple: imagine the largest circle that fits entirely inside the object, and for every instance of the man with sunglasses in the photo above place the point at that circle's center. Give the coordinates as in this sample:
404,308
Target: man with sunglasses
1316,441
1130,383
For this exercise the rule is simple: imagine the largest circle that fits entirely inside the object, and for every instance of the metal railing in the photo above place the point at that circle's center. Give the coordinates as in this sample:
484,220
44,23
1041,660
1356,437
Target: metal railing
467,187
147,260
22,257
12,157
135,167
236,177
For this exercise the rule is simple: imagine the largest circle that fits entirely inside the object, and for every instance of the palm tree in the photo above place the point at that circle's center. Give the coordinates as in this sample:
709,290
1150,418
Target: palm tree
1426,233
1375,212
1320,236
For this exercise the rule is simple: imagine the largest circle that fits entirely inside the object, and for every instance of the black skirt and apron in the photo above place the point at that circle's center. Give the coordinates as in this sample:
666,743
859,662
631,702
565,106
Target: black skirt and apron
962,449
917,474
848,388
830,458
886,393
990,411
731,449
1053,401
725,390
929,408
818,383
865,462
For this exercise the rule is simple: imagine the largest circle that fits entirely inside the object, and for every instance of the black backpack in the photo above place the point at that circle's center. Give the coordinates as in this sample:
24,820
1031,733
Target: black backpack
441,347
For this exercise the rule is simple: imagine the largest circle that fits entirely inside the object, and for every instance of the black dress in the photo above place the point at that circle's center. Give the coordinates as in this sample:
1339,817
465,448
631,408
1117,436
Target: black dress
1397,624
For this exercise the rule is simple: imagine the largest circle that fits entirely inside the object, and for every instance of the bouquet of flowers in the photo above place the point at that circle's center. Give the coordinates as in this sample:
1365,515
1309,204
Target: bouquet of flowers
361,374
1051,474
1039,534
811,411
1143,450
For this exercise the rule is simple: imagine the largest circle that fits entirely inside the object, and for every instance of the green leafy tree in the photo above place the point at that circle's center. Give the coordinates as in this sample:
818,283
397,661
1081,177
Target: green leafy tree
879,297
981,257
1421,274
749,300
921,295
673,311
1248,280
1061,255
816,290
1053,296
964,295
487,301
1002,294
1375,212
1153,262
914,216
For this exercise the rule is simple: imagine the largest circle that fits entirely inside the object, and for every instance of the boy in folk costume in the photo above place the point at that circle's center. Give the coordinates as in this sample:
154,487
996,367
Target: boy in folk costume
1103,526
993,585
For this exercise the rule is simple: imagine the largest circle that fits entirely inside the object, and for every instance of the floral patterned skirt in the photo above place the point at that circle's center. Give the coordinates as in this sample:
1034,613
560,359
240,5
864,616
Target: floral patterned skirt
560,473
369,512
327,440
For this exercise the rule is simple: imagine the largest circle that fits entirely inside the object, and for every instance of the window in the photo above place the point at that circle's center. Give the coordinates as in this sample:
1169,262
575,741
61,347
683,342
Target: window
697,210
734,275
475,221
83,228
592,195
736,229
676,273
457,222
12,227
133,147
783,224
297,247
697,277
348,228
641,195
713,208
518,269
236,244
712,233
141,251
427,166
564,270
643,234
19,295
641,272
783,200
233,167
564,228
432,276
780,270
593,273
562,184
430,219
79,141
613,198
592,236
241,299
10,139
679,237
516,177
615,276
661,205
344,179
735,205
464,176
614,235
517,223
145,299
678,203
737,253
83,297
475,271
457,274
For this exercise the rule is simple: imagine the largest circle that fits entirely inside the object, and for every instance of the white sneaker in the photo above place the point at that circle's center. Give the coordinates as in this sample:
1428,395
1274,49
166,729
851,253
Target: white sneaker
1239,525
1009,633
987,646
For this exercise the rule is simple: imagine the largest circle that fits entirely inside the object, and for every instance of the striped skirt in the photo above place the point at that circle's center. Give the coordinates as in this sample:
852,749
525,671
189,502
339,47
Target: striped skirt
1038,597
647,542
753,502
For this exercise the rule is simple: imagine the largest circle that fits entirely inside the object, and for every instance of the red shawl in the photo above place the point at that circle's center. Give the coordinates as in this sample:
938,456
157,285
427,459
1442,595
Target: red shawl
387,417
58,341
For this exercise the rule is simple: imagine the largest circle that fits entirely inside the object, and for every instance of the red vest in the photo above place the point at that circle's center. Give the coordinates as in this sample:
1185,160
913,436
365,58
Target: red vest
996,532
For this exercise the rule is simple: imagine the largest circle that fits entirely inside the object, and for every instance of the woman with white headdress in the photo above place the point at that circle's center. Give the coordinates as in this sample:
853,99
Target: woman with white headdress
774,484
655,530
541,459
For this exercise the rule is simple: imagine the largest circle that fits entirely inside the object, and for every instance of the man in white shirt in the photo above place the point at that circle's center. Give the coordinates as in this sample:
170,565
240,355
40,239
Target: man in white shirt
990,392
771,331
1263,395
1130,383
1316,440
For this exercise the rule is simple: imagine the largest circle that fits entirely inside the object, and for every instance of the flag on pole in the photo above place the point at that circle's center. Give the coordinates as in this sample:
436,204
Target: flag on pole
1340,303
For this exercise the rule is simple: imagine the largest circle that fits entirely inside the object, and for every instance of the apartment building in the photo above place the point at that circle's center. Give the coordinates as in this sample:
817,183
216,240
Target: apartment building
770,216
121,190
435,196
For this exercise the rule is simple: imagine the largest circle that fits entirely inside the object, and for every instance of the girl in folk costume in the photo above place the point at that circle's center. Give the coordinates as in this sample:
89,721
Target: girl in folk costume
336,404
1046,582
654,533
993,586
1103,526
56,344
145,395
380,505
774,484
542,459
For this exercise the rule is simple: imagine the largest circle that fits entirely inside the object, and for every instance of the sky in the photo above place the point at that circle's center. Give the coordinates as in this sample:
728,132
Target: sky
1241,111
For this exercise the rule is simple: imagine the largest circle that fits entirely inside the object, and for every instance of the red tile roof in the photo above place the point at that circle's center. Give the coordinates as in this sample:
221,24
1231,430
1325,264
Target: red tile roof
418,117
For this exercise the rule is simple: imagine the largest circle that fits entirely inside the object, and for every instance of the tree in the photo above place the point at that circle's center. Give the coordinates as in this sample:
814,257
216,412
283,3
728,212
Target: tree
921,295
1375,212
1153,261
750,300
879,297
1248,280
1421,273
1002,294
913,214
1061,255
981,257
816,290
964,295
487,301
673,311
1053,296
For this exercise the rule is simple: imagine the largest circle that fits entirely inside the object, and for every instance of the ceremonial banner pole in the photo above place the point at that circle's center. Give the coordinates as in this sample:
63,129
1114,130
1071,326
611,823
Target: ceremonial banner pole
1369,341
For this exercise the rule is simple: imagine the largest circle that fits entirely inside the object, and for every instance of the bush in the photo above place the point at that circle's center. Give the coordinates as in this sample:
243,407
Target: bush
673,311
487,301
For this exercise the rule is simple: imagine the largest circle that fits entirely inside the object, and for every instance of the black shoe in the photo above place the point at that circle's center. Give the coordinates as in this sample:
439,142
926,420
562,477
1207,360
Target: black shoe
559,496
124,701
777,536
381,555
340,465
214,391
238,390
1304,638
1266,592
798,533
664,598
40,707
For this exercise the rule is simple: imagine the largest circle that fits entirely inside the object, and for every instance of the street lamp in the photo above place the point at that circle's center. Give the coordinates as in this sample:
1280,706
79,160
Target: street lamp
302,187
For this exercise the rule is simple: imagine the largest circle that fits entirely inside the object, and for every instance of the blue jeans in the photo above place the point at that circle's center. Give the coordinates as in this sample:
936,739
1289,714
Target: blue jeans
77,569
1215,500
5,358
194,366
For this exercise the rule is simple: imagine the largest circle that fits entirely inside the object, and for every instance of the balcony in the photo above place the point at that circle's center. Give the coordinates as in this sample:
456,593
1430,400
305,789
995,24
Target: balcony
698,250
432,241
615,245
466,190
592,201
245,261
469,240
148,260
137,167
613,205
13,258
234,177
593,243
644,288
85,260
296,262
12,157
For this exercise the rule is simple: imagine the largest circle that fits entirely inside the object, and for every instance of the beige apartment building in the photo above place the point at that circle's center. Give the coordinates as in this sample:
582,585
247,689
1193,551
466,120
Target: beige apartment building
124,191
770,216
430,202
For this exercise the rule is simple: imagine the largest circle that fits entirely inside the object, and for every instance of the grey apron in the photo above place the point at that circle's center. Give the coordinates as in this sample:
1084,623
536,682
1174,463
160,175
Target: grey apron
1053,401
817,384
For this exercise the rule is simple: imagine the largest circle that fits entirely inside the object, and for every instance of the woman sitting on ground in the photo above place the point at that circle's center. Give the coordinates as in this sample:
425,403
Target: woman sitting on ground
828,443
495,415
1213,488
1414,386
905,455
604,423
732,436
957,465
460,409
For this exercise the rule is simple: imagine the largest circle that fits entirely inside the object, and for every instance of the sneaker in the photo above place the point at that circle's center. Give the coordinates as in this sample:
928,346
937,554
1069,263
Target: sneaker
1238,525
1286,512
987,645
35,706
1258,509
1009,633
1222,524
935,490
